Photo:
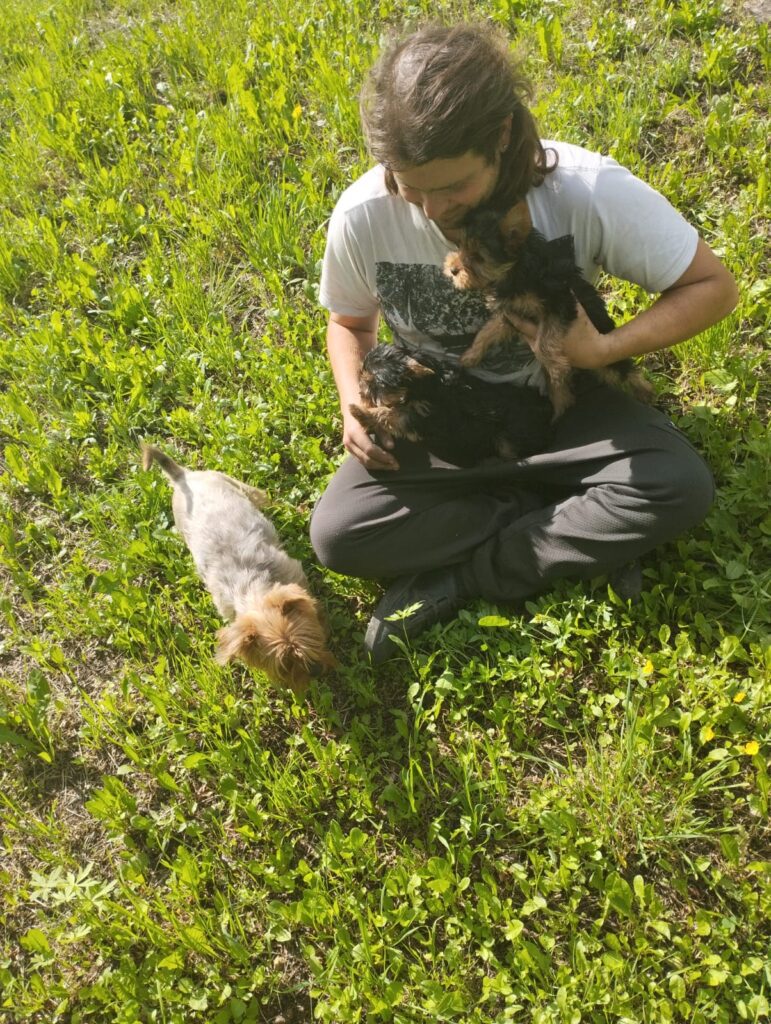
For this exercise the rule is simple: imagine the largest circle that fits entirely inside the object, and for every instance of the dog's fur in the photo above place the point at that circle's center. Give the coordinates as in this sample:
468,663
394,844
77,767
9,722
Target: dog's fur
523,275
459,417
275,624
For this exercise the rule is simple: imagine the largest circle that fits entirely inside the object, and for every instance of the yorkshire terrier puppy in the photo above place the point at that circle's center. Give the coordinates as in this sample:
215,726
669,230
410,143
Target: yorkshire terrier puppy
459,417
275,624
525,276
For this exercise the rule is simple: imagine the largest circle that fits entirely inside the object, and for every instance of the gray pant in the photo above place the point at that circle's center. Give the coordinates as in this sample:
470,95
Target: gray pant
617,480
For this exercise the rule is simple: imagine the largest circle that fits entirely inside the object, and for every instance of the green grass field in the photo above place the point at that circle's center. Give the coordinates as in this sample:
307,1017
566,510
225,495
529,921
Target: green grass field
552,818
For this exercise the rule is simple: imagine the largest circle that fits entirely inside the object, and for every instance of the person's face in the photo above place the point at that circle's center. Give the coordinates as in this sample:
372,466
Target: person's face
447,190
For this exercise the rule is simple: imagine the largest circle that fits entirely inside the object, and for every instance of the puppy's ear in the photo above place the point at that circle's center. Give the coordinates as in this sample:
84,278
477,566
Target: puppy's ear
564,247
238,640
515,226
418,369
560,255
297,603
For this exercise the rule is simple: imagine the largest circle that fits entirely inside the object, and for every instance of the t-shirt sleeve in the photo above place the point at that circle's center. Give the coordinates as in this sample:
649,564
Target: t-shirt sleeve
641,237
346,286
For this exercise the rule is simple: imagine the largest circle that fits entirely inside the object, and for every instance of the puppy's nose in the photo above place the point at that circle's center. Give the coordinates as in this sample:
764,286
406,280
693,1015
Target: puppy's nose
315,670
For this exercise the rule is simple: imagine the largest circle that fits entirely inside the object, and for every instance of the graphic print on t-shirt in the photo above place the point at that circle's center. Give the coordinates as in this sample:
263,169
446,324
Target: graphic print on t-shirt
424,309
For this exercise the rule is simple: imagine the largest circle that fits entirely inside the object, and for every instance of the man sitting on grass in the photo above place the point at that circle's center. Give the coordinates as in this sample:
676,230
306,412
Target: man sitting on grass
445,116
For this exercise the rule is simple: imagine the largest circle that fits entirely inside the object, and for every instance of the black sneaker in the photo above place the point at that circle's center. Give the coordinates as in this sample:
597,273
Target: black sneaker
438,594
627,581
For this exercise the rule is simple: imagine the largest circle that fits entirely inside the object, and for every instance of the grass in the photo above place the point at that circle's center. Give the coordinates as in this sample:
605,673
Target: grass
555,817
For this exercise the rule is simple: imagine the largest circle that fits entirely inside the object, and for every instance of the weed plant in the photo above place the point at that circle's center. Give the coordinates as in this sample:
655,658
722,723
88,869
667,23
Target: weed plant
552,817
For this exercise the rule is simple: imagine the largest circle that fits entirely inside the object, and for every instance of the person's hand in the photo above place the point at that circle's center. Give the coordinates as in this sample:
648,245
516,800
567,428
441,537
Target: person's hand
584,346
371,454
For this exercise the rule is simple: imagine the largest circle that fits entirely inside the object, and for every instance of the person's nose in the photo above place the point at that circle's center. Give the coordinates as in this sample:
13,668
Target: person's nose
435,206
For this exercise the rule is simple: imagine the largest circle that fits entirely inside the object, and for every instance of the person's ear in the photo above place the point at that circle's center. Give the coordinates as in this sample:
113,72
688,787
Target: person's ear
505,136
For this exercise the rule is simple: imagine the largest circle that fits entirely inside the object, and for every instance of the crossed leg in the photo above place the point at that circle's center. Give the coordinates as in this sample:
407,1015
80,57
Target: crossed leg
618,480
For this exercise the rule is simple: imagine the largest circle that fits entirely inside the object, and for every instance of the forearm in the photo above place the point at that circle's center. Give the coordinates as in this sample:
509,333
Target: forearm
701,297
678,314
347,345
348,341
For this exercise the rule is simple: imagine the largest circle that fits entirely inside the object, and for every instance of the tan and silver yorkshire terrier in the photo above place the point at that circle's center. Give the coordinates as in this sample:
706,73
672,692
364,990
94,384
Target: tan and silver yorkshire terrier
524,276
275,624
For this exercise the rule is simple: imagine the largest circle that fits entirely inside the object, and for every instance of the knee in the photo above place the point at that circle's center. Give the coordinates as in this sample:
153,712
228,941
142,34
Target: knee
332,542
325,539
685,486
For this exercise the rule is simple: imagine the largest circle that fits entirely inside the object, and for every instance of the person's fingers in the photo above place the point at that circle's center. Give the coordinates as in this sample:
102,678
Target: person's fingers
369,454
376,458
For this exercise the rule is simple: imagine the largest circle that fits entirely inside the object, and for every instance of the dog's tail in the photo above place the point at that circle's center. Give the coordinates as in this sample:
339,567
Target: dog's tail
151,454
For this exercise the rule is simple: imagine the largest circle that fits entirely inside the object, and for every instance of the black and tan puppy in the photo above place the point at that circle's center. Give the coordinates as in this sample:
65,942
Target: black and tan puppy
525,276
459,417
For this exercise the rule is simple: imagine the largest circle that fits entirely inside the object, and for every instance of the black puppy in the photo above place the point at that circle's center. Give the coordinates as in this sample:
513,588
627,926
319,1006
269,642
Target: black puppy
457,416
530,278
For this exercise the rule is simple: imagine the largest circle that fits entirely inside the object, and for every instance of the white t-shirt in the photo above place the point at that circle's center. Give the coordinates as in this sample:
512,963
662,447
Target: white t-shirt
383,253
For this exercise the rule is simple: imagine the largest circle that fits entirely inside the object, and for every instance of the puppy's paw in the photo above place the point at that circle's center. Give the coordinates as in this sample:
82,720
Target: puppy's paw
472,356
562,398
363,416
641,388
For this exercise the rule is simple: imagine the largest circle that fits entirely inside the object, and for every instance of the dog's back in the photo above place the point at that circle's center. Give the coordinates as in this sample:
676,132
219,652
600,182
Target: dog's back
208,504
235,547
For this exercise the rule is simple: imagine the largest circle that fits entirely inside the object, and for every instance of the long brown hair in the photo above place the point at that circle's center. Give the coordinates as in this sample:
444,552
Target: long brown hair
448,90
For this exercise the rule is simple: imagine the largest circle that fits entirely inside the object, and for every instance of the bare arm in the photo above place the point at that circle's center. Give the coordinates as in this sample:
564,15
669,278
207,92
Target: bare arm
701,297
348,341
